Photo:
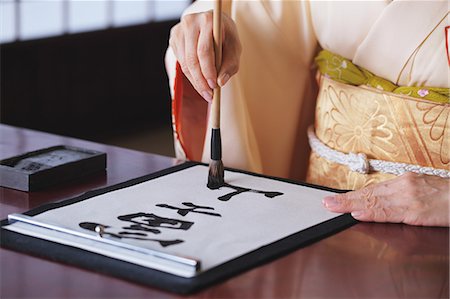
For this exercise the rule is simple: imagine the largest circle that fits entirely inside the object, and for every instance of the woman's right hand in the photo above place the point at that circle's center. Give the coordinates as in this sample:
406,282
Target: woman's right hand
192,43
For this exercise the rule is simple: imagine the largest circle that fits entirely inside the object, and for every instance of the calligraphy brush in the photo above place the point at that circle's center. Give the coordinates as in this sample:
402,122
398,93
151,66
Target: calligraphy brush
216,171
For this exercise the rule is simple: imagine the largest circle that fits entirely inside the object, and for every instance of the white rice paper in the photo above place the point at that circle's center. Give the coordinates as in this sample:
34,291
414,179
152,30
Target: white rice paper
248,220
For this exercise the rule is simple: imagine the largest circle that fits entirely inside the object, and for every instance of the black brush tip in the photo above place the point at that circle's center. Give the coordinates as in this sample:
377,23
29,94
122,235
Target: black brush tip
216,174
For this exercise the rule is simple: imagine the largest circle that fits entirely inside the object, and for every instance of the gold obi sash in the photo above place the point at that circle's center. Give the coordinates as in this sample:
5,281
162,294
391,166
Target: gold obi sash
381,125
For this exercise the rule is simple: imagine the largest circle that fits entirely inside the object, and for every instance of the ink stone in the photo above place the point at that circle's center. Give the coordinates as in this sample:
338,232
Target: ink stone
42,168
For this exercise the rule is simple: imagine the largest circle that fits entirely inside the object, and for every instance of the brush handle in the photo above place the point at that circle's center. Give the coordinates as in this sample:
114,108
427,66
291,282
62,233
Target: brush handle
217,37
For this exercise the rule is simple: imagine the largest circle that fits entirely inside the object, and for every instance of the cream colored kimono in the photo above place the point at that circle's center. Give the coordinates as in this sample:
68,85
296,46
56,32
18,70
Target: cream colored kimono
268,105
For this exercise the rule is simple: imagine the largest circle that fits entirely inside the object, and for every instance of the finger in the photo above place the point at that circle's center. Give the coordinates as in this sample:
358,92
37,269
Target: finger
375,203
177,45
176,38
385,214
193,64
230,56
176,42
205,52
352,201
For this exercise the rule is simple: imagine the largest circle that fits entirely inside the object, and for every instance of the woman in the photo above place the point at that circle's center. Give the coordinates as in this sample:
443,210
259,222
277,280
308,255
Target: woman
375,118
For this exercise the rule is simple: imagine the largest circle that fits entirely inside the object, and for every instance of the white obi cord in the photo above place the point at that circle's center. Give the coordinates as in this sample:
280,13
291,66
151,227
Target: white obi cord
359,163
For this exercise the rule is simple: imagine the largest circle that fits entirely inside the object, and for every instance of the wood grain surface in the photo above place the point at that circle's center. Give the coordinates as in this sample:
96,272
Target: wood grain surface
365,261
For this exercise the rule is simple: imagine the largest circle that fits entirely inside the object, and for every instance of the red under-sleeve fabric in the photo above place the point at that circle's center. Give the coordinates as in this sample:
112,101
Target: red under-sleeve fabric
189,114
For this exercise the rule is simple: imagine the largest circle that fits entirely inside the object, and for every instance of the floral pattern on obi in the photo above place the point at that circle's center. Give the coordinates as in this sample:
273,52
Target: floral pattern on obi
382,125
437,118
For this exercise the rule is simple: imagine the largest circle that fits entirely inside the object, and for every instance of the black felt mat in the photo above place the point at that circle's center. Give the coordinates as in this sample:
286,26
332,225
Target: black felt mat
109,266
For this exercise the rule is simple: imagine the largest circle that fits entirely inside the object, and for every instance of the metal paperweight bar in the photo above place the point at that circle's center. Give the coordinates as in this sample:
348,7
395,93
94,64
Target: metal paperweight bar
169,262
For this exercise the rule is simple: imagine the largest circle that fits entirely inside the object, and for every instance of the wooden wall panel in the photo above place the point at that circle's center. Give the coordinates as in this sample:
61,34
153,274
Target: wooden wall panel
87,84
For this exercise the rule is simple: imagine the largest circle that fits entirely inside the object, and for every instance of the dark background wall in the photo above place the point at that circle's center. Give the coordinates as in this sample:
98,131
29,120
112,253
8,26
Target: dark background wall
88,84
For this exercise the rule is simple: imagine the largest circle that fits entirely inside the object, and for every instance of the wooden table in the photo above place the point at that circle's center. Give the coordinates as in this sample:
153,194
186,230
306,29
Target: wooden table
364,261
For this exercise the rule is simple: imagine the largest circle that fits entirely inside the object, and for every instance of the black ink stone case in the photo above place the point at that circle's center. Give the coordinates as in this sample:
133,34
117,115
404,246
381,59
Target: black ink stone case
49,166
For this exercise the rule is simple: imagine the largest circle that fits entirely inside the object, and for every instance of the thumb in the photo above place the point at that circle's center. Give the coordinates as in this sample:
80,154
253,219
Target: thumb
230,66
223,78
351,201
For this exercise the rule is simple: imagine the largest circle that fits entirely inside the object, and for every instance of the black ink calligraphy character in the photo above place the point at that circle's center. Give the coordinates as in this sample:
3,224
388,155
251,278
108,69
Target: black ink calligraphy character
145,221
192,209
143,228
269,194
239,190
108,230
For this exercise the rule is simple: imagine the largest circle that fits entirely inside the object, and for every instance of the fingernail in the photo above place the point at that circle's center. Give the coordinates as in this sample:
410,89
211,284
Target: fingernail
212,83
330,202
357,214
207,95
223,79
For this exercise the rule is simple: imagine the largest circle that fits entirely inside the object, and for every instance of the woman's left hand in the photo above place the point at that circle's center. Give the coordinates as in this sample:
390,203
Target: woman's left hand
410,198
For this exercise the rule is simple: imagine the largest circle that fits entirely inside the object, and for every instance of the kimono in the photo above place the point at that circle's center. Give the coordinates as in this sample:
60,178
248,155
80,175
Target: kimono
277,94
